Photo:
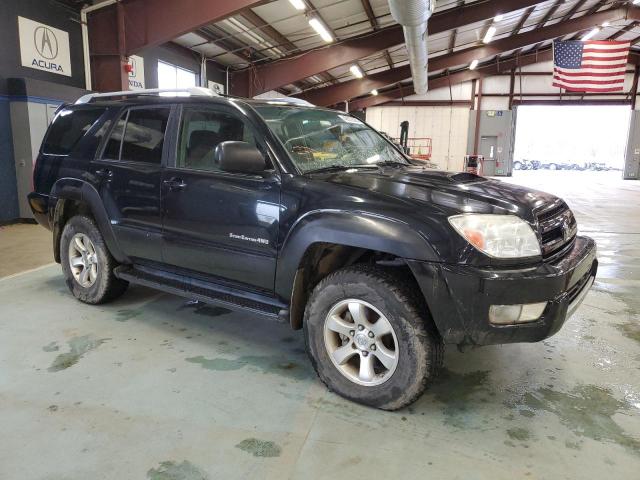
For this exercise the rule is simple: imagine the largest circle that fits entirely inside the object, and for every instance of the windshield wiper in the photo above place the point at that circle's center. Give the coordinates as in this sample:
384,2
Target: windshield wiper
392,163
340,168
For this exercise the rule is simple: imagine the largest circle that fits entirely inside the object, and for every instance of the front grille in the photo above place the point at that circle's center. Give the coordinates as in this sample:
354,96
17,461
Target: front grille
557,227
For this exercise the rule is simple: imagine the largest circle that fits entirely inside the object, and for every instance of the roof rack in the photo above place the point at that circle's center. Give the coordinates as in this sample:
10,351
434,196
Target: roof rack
289,101
190,91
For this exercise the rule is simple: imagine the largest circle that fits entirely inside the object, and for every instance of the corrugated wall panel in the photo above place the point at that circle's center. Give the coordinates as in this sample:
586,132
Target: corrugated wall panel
446,126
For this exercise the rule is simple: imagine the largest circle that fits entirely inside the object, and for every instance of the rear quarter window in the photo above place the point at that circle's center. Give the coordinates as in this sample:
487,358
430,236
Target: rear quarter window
68,128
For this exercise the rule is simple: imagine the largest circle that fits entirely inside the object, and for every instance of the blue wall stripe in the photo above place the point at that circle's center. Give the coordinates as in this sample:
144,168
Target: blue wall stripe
30,98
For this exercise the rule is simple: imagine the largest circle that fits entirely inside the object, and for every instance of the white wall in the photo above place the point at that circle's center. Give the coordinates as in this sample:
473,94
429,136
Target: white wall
446,126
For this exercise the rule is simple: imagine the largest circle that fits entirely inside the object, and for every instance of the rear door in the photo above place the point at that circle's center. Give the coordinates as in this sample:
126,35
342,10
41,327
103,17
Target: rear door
130,170
219,223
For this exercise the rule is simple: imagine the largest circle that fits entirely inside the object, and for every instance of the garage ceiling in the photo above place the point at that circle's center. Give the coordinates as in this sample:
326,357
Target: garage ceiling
270,45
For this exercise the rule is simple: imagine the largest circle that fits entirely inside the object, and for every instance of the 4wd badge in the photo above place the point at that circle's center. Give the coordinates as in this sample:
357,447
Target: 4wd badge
44,48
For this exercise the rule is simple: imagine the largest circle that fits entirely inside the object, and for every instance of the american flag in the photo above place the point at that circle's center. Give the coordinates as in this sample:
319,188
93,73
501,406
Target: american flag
590,66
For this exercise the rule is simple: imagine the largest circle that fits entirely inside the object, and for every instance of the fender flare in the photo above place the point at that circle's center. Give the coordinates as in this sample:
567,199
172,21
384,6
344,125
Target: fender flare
349,228
73,189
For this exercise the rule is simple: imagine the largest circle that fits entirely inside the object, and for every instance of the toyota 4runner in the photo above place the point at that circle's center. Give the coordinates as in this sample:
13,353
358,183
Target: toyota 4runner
311,216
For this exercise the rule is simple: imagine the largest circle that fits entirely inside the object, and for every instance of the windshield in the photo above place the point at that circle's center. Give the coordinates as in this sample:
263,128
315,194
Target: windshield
323,139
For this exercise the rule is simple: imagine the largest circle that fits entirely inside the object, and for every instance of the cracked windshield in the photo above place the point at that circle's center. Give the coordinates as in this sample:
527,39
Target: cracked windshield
320,140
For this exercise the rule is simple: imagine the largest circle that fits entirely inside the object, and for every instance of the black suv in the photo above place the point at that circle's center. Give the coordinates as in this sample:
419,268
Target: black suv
307,215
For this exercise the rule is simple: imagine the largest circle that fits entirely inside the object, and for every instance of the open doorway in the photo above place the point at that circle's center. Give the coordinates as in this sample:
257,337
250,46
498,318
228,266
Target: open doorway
574,138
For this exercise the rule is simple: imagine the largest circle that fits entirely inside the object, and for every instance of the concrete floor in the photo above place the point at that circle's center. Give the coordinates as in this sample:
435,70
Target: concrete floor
150,387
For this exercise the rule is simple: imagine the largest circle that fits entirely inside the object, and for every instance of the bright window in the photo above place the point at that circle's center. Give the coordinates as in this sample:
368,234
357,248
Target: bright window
171,76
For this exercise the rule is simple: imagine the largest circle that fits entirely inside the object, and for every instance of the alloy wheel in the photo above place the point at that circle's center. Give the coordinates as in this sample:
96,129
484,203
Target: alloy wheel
361,342
83,260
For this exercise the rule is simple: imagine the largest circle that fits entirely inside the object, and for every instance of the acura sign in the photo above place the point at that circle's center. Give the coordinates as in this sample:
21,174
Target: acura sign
43,47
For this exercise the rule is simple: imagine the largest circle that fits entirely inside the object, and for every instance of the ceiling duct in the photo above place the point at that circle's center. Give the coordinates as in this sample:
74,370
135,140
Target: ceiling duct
413,16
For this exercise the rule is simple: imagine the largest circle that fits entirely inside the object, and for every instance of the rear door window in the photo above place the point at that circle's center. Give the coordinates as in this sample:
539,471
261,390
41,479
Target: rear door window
112,150
138,136
68,128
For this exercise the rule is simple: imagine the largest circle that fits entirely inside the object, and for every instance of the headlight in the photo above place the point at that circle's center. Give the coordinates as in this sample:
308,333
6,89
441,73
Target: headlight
499,236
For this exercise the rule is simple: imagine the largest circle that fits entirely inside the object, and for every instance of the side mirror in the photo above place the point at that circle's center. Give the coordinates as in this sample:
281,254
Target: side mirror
239,157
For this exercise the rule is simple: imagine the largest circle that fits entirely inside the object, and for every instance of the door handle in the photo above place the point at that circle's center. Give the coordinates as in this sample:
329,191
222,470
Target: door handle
104,172
175,184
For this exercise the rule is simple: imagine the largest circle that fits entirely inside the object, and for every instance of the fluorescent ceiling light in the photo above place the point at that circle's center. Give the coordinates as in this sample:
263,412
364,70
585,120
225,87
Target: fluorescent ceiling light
298,4
320,29
489,35
374,92
355,71
474,64
499,17
590,34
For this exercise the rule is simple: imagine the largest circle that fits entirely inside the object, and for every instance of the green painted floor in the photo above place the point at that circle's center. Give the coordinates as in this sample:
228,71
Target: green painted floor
150,387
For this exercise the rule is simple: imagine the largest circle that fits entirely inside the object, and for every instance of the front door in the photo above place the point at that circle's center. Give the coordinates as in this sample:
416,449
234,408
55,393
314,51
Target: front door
130,169
219,223
489,148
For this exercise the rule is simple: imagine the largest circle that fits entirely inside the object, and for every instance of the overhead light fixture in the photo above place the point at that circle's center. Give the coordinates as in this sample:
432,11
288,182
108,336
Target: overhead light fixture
473,65
298,4
355,71
374,92
489,35
590,34
498,18
321,29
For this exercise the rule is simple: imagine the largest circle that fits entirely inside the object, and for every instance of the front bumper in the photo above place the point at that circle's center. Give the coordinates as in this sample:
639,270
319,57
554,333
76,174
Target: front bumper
459,296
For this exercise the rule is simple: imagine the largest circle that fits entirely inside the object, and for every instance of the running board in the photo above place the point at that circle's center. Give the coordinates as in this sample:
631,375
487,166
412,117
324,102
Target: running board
203,291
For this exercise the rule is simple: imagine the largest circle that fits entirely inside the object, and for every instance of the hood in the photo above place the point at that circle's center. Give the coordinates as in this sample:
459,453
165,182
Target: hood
458,192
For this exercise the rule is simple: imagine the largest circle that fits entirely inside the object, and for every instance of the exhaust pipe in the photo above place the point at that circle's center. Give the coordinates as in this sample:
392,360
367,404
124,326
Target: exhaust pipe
413,16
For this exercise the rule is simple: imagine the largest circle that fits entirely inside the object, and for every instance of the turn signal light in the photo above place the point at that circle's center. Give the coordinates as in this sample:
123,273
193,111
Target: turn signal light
475,238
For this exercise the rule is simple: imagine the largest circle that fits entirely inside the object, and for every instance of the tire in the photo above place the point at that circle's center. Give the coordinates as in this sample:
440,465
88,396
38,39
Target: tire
414,340
553,166
105,286
517,166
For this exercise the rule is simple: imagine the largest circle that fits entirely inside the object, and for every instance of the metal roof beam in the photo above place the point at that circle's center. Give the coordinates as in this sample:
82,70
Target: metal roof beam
354,88
150,23
257,80
366,5
495,68
459,77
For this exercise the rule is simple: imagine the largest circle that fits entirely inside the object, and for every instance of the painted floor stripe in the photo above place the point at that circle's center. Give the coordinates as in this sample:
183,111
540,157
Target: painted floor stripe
41,267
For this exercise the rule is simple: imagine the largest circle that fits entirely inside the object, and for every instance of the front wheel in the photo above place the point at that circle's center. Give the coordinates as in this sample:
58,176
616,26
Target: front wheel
370,337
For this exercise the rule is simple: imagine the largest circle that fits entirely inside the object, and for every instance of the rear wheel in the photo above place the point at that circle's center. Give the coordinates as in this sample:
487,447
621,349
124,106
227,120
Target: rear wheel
87,264
370,337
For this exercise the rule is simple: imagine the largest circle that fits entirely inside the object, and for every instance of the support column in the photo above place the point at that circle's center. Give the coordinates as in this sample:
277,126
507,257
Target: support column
476,135
107,47
632,155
